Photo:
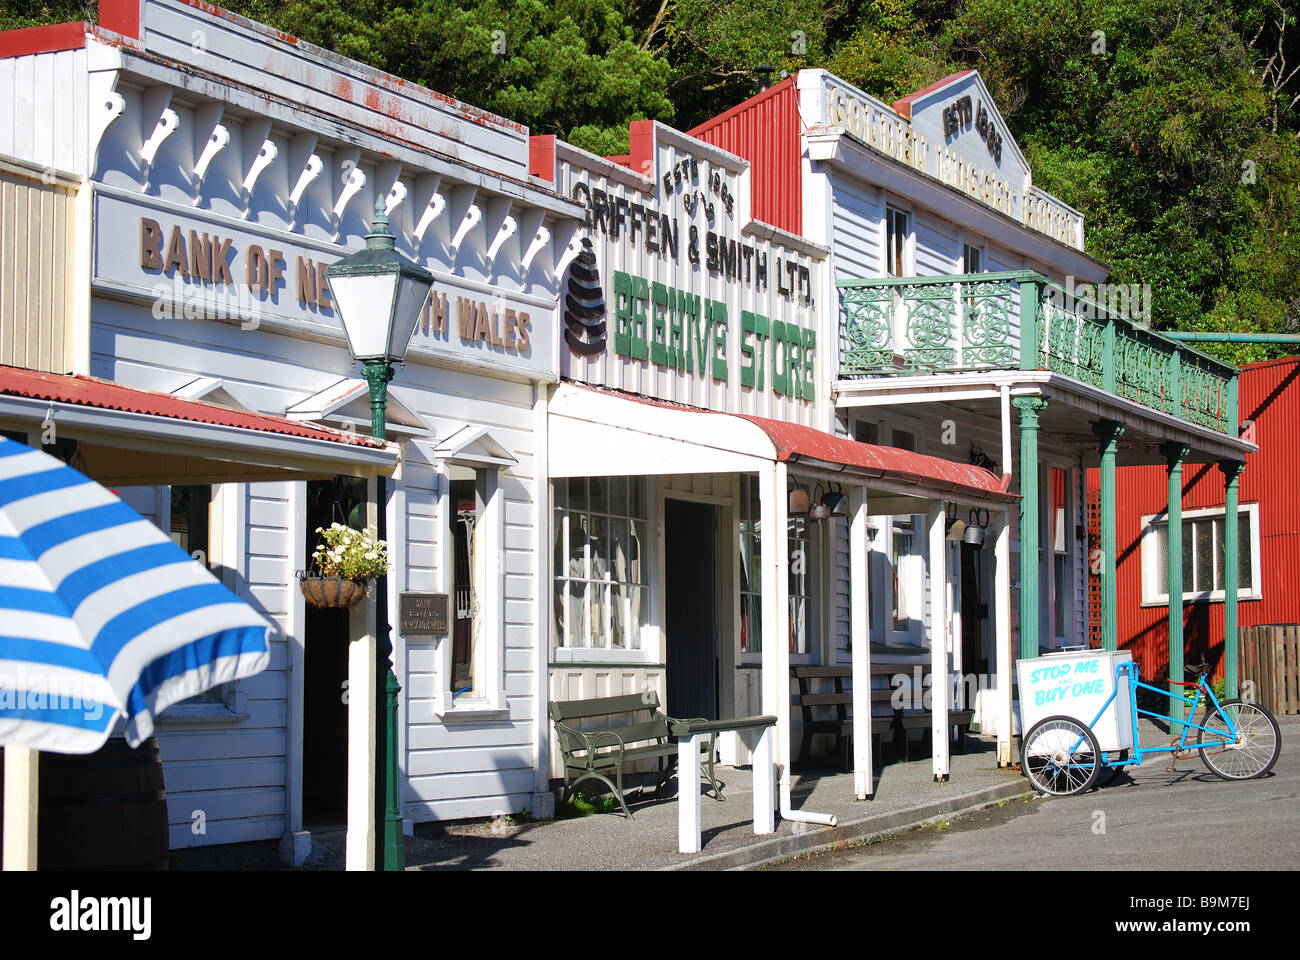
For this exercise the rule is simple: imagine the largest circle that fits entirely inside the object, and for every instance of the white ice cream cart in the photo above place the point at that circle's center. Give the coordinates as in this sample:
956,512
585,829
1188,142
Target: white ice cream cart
1077,684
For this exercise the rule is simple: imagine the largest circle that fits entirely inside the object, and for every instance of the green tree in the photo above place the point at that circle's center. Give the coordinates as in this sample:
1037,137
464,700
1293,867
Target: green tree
570,68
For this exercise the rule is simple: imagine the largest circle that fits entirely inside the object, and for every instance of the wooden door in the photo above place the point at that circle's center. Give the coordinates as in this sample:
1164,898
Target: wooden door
690,623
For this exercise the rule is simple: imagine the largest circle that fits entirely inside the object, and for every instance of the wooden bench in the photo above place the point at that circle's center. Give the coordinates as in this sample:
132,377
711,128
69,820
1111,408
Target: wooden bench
841,725
917,718
610,726
898,725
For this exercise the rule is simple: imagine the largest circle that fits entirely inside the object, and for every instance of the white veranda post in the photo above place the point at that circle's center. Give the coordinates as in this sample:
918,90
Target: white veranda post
1002,626
940,687
776,611
21,769
860,621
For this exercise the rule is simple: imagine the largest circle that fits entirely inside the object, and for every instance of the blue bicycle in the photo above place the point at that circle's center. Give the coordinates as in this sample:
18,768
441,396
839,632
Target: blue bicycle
1237,740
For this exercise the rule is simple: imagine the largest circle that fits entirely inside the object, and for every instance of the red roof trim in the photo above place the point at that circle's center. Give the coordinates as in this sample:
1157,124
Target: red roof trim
904,106
641,147
123,16
48,39
795,442
541,156
107,395
1276,362
726,115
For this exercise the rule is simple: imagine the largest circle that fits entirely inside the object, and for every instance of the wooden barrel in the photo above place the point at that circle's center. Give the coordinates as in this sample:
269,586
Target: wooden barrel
103,811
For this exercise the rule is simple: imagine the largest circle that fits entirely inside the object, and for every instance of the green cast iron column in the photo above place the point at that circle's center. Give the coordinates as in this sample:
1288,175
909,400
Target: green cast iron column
1231,474
1174,454
391,850
1108,433
1030,549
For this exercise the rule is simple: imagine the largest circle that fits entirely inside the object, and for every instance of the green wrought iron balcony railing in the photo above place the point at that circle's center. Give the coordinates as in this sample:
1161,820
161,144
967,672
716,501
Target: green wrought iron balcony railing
896,326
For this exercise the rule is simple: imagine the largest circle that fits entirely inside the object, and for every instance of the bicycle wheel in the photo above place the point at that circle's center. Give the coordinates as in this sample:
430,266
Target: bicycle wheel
1060,756
1256,747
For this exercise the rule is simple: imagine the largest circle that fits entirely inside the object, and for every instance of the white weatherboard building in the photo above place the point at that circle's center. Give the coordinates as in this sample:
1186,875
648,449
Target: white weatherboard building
968,323
688,426
212,169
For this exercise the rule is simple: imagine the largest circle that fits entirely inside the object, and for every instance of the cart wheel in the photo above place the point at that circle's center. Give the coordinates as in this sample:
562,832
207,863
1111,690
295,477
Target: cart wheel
1060,756
1257,745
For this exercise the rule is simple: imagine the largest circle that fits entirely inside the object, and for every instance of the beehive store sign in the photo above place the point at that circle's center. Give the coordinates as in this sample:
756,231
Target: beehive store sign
692,231
196,268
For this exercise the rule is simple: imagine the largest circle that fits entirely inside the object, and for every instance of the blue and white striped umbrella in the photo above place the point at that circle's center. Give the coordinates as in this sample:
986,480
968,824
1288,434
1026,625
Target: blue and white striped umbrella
101,615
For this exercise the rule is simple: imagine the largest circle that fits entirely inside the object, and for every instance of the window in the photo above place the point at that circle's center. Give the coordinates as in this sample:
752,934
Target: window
467,500
972,259
864,431
1062,595
1204,555
751,557
908,571
189,520
473,661
903,440
470,491
895,242
601,540
190,524
802,575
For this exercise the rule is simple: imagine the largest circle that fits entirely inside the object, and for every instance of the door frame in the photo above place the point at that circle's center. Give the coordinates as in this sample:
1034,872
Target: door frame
726,578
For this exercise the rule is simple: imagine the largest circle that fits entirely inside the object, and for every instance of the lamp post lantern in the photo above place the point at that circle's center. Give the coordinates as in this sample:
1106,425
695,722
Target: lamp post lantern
379,296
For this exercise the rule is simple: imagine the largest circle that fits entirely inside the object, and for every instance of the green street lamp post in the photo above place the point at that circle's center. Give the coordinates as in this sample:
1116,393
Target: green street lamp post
379,295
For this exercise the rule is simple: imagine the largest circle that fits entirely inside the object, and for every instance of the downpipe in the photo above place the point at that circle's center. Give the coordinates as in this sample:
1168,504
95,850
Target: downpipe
801,816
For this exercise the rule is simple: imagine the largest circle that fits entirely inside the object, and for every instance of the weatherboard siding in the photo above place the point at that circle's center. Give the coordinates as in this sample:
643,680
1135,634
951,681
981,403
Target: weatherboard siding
492,770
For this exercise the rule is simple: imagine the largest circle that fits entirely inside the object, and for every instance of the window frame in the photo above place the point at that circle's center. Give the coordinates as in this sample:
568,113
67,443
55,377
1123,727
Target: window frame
901,252
226,557
1067,555
816,613
648,648
489,646
1149,550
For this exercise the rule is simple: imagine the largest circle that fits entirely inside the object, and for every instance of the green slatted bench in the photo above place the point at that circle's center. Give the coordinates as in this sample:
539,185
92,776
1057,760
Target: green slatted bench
600,737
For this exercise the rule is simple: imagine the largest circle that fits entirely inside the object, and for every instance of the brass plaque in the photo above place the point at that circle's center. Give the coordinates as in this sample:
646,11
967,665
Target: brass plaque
422,614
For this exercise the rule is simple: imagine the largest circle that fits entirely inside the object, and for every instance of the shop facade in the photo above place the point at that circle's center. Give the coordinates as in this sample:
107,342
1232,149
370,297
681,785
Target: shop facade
216,168
689,437
971,325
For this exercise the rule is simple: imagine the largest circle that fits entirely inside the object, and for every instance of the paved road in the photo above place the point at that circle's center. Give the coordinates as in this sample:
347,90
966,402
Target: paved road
1188,820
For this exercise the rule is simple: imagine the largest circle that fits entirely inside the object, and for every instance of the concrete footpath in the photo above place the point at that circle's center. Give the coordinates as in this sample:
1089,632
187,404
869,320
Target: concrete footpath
906,796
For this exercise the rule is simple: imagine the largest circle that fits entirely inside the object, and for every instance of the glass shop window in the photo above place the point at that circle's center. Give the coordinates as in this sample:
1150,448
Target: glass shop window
601,532
804,546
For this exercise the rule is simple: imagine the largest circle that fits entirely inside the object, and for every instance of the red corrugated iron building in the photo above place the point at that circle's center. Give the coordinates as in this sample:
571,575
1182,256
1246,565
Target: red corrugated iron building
1269,395
765,131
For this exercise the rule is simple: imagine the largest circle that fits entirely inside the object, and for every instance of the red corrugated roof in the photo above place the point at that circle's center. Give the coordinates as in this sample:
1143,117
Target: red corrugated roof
107,395
904,105
794,442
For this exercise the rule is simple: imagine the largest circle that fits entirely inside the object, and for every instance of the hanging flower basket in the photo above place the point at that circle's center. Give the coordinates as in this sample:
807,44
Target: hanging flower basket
344,563
332,591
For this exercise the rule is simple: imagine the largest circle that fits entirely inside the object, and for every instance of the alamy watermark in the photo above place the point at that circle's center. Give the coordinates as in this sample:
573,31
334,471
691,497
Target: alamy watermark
1125,301
179,300
37,691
